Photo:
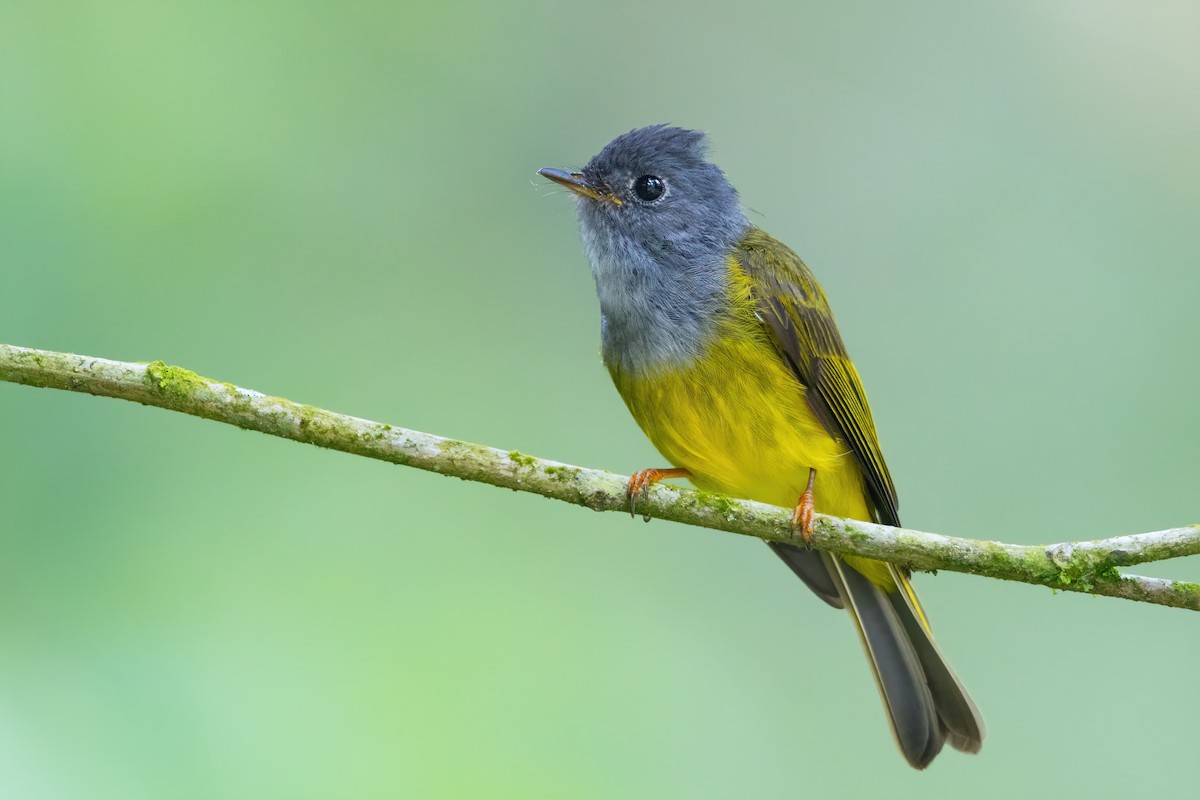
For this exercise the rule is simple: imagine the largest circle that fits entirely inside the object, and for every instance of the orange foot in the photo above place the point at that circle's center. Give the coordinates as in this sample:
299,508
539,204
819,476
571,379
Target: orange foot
802,517
642,481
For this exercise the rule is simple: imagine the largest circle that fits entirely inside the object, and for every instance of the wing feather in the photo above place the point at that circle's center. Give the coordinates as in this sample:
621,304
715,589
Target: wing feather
797,317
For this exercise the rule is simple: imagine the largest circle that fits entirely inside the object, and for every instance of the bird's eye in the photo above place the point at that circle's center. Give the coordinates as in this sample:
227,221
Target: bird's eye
649,187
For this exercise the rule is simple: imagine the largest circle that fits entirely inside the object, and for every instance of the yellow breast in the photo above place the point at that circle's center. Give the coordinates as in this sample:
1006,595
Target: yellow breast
737,419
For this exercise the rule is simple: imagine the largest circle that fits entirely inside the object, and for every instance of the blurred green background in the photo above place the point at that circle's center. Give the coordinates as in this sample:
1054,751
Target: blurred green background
336,202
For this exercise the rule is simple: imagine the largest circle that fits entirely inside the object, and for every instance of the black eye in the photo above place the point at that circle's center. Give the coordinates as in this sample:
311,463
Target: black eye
649,187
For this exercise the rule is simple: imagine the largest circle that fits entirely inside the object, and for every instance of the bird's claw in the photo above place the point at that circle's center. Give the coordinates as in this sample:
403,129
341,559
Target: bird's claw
802,516
640,483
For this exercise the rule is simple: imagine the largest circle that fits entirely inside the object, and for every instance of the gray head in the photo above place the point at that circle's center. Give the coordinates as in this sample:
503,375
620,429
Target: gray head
657,222
653,188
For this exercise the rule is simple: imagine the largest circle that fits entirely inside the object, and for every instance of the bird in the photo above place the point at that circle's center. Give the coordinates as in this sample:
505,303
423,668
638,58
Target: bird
724,348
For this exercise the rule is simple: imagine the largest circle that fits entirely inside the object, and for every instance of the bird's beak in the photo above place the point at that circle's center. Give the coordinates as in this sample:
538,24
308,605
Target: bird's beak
578,183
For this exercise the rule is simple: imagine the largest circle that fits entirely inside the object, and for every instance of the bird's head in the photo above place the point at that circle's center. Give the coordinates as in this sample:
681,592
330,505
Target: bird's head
651,191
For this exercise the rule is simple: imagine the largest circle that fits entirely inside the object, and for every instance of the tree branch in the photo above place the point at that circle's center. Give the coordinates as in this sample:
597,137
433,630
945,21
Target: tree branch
1089,567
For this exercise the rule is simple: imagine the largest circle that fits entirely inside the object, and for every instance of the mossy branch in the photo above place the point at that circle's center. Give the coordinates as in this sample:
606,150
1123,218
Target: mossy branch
1090,567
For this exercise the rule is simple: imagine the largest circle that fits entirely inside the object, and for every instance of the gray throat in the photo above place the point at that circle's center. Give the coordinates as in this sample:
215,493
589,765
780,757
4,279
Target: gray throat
656,312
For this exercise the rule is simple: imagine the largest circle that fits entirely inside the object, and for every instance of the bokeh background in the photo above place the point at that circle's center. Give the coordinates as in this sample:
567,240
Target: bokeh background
337,203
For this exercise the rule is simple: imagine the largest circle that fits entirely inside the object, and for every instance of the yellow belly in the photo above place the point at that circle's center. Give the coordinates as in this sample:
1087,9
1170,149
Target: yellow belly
737,419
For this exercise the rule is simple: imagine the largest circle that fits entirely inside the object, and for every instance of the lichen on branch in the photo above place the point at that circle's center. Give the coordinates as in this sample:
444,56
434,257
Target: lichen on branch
1091,567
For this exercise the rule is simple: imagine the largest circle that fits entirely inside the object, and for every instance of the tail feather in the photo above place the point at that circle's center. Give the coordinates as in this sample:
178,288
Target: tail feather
809,567
926,704
959,717
907,697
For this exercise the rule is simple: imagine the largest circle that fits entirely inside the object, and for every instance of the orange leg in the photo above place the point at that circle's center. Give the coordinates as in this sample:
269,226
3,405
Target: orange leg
642,481
802,517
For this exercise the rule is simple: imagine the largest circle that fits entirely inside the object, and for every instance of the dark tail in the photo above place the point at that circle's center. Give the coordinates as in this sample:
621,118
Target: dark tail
926,704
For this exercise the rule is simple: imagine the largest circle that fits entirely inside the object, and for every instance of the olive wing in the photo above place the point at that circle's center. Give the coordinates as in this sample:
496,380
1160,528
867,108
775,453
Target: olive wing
796,315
